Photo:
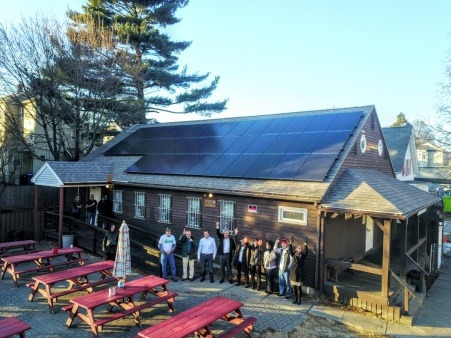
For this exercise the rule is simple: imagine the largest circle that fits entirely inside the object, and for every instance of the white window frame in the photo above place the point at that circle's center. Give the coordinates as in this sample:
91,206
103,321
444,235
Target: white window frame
227,216
193,212
165,209
285,219
140,205
117,201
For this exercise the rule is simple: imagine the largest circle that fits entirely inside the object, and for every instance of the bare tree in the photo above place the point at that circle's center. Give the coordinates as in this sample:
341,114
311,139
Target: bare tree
62,85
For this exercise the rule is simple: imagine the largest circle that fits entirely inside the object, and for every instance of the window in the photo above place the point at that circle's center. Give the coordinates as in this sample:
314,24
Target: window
293,215
117,201
227,216
165,209
193,213
140,205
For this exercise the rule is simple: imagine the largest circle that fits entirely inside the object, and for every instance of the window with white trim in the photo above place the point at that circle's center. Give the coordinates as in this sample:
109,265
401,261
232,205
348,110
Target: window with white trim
293,215
226,216
165,209
193,213
140,205
117,201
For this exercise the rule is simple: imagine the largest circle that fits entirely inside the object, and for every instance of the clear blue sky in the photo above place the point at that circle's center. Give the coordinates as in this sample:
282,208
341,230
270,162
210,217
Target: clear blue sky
295,55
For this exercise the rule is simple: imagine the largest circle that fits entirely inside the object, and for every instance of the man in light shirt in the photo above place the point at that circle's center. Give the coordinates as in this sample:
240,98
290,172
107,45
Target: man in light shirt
206,253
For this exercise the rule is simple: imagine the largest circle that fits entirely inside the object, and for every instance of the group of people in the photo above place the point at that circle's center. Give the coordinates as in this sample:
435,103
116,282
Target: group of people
250,259
91,207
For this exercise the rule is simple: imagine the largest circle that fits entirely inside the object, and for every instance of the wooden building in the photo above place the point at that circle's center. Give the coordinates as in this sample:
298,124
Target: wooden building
325,175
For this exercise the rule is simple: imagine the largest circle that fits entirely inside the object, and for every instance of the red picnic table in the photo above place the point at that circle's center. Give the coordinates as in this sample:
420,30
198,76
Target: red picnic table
27,247
42,260
78,279
123,298
198,319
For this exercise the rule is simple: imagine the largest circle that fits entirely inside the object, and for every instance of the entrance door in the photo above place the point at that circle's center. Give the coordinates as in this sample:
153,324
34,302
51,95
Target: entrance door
369,233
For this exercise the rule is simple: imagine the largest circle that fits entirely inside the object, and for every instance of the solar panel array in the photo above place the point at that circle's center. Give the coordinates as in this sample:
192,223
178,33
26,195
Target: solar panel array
290,147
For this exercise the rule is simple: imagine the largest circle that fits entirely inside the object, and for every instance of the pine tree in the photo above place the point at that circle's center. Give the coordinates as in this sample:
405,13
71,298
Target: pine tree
152,78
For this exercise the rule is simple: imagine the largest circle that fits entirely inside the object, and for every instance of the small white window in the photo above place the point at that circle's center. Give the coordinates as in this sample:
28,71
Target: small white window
140,205
226,216
193,213
165,209
293,215
117,201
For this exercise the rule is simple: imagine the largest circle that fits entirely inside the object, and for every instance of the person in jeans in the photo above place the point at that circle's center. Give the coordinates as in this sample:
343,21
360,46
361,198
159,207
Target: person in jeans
167,245
206,253
285,289
189,251
225,252
270,265
91,209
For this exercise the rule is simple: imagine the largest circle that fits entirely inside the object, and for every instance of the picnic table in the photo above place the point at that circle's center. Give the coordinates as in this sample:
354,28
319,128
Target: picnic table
42,260
78,279
198,319
27,246
123,299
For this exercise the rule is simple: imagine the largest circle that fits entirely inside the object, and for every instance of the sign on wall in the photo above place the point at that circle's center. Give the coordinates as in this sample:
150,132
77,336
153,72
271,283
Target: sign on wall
210,203
252,208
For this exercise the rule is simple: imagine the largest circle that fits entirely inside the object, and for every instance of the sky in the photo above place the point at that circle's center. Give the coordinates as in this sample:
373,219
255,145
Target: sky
295,55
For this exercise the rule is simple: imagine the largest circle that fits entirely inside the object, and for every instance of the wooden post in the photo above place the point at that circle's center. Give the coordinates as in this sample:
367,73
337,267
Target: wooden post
386,258
37,233
60,217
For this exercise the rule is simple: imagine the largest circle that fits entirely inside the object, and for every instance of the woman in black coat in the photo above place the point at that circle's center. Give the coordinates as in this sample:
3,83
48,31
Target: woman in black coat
297,275
109,244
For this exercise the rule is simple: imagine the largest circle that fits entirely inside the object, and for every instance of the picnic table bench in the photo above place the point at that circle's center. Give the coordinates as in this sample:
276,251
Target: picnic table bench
11,326
42,260
26,246
123,298
78,279
197,320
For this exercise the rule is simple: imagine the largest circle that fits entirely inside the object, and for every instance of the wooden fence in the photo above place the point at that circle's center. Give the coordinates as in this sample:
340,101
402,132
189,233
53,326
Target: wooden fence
18,224
22,197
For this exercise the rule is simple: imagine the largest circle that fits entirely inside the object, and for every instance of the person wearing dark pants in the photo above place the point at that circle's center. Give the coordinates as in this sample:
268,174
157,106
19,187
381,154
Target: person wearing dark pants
270,265
241,262
206,254
225,252
109,243
255,263
297,274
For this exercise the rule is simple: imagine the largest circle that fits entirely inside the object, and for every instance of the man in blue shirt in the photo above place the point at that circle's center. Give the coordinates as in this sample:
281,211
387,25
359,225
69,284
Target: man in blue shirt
206,253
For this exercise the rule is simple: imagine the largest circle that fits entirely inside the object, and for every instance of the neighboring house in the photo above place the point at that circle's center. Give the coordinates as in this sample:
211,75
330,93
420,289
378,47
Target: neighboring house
21,162
325,175
401,147
434,166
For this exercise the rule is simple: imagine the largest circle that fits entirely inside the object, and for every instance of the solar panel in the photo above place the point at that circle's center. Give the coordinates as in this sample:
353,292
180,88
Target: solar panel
288,147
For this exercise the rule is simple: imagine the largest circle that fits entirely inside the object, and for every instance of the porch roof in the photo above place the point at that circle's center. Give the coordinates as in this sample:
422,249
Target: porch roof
367,191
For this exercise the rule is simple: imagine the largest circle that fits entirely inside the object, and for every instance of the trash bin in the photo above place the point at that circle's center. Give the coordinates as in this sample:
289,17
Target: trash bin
68,240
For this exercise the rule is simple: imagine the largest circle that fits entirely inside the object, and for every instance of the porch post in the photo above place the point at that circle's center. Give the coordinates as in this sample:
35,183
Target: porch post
60,217
36,232
386,258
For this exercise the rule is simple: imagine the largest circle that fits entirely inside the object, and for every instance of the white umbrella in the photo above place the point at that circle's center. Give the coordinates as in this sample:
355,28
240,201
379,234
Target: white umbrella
123,264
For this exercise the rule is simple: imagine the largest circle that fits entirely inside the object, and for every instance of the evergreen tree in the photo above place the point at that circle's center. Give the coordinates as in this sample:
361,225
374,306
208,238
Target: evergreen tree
152,78
401,121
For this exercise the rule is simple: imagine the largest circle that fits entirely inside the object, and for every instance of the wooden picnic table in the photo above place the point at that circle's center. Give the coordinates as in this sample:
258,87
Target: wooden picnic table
124,299
42,259
197,320
27,246
78,279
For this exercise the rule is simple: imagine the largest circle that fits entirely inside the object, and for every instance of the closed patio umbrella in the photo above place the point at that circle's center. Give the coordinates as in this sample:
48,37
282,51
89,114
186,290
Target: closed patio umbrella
122,264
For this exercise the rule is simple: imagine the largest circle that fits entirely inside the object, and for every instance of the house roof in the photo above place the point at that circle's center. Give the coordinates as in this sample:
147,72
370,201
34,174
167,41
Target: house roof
367,191
397,140
373,193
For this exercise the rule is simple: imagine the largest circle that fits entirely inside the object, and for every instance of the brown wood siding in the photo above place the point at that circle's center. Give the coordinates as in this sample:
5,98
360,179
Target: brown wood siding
369,159
263,224
344,238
